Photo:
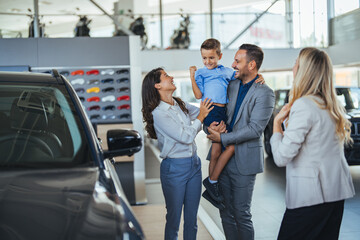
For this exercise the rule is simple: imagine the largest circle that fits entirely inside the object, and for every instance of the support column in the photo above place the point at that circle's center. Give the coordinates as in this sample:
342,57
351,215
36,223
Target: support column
330,15
289,22
211,19
161,25
36,19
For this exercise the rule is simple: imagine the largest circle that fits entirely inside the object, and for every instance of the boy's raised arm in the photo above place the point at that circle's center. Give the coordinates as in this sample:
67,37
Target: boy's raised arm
195,87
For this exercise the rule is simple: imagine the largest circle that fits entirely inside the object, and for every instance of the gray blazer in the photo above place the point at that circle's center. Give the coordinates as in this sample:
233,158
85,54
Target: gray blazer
253,116
316,168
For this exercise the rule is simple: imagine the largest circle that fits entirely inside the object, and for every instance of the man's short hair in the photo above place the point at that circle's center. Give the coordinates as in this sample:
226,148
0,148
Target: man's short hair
210,44
253,52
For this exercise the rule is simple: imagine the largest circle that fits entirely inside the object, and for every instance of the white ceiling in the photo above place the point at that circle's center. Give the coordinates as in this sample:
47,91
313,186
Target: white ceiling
60,16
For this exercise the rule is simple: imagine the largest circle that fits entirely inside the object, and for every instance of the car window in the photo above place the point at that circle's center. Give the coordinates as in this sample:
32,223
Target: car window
355,96
282,98
40,127
349,97
341,98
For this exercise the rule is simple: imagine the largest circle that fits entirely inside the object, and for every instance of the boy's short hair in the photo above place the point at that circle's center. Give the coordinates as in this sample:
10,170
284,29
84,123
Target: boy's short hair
210,44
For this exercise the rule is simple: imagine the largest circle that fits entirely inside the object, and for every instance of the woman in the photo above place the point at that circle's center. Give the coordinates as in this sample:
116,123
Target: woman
169,120
317,174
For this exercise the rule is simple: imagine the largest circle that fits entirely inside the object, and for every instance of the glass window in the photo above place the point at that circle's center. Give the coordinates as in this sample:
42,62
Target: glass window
344,6
230,19
149,10
183,15
349,97
347,76
40,128
310,23
282,98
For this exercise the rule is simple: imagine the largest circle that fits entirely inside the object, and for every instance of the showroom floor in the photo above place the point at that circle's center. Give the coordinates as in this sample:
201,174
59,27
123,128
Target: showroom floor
267,206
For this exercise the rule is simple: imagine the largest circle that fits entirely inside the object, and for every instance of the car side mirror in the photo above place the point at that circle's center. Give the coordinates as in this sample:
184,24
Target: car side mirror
122,142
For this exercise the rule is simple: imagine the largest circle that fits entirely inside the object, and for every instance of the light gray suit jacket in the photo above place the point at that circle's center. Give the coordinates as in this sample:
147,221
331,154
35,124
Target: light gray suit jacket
251,120
316,168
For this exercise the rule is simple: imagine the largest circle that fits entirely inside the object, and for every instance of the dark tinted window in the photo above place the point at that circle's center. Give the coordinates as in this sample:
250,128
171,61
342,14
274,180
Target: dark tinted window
39,127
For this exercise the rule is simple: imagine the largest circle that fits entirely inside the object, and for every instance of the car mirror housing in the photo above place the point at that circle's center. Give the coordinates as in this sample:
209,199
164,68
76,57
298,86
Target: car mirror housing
122,142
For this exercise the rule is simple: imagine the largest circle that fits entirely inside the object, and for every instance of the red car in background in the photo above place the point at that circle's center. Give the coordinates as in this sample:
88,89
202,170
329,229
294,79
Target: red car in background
93,72
124,98
125,106
93,99
77,72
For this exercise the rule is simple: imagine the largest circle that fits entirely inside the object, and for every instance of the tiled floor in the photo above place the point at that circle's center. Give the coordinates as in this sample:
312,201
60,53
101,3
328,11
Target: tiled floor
152,220
152,215
268,200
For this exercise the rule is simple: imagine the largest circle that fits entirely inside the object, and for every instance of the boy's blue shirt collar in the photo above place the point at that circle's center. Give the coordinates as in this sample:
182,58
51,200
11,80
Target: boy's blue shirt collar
218,66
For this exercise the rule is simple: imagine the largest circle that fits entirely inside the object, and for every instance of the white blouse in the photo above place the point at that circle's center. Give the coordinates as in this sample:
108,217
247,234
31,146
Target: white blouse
175,130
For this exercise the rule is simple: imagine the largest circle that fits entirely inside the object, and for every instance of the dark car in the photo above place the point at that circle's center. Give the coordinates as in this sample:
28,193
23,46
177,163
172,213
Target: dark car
108,89
108,80
123,80
350,99
121,71
56,182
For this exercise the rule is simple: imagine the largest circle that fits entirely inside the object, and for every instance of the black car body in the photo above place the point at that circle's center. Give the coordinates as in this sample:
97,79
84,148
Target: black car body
56,182
349,97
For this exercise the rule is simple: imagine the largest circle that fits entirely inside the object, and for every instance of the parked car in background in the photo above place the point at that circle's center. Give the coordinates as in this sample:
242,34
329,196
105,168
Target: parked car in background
56,182
350,99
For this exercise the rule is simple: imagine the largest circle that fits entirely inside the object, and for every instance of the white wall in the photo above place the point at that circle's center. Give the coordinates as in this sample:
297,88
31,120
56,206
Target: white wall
177,60
274,59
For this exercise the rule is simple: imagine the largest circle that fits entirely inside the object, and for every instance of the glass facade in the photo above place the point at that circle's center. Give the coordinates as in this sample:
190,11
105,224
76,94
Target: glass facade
271,24
236,25
284,24
344,6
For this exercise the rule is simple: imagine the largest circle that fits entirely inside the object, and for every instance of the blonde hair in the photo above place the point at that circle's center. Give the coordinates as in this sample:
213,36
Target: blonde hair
314,77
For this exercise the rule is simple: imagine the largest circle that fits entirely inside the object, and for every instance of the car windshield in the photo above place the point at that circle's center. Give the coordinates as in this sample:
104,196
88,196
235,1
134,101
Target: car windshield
39,127
349,97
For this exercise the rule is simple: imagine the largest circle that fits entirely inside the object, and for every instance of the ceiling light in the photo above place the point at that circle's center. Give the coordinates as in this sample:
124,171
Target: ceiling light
44,3
14,10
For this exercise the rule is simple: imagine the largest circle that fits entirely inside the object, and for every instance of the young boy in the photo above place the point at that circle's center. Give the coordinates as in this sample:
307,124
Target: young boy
211,82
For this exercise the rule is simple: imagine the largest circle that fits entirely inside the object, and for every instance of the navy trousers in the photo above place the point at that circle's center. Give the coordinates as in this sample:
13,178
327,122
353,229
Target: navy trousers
237,190
181,185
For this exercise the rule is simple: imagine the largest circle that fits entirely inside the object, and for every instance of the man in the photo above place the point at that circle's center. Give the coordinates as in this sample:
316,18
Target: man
249,110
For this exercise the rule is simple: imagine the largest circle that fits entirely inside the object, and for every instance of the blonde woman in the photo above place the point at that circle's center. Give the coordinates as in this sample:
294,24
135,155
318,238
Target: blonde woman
317,174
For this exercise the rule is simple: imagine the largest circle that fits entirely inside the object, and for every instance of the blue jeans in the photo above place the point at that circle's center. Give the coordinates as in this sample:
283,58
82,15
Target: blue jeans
181,185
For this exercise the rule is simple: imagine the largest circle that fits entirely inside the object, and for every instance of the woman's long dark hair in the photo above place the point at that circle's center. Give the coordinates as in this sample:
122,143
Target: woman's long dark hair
151,99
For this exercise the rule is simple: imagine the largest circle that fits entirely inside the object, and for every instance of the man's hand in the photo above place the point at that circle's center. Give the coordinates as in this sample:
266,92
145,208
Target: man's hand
214,131
221,128
214,135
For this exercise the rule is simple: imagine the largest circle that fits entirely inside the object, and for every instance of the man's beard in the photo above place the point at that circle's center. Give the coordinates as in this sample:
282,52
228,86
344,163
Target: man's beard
241,75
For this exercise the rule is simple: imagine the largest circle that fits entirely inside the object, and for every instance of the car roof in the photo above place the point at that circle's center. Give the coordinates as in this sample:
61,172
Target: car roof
27,77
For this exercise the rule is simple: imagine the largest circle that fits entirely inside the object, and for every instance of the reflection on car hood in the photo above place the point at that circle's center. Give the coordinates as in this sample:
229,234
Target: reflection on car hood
353,113
57,204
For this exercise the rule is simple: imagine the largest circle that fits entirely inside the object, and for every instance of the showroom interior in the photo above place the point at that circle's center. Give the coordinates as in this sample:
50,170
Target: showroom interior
95,45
